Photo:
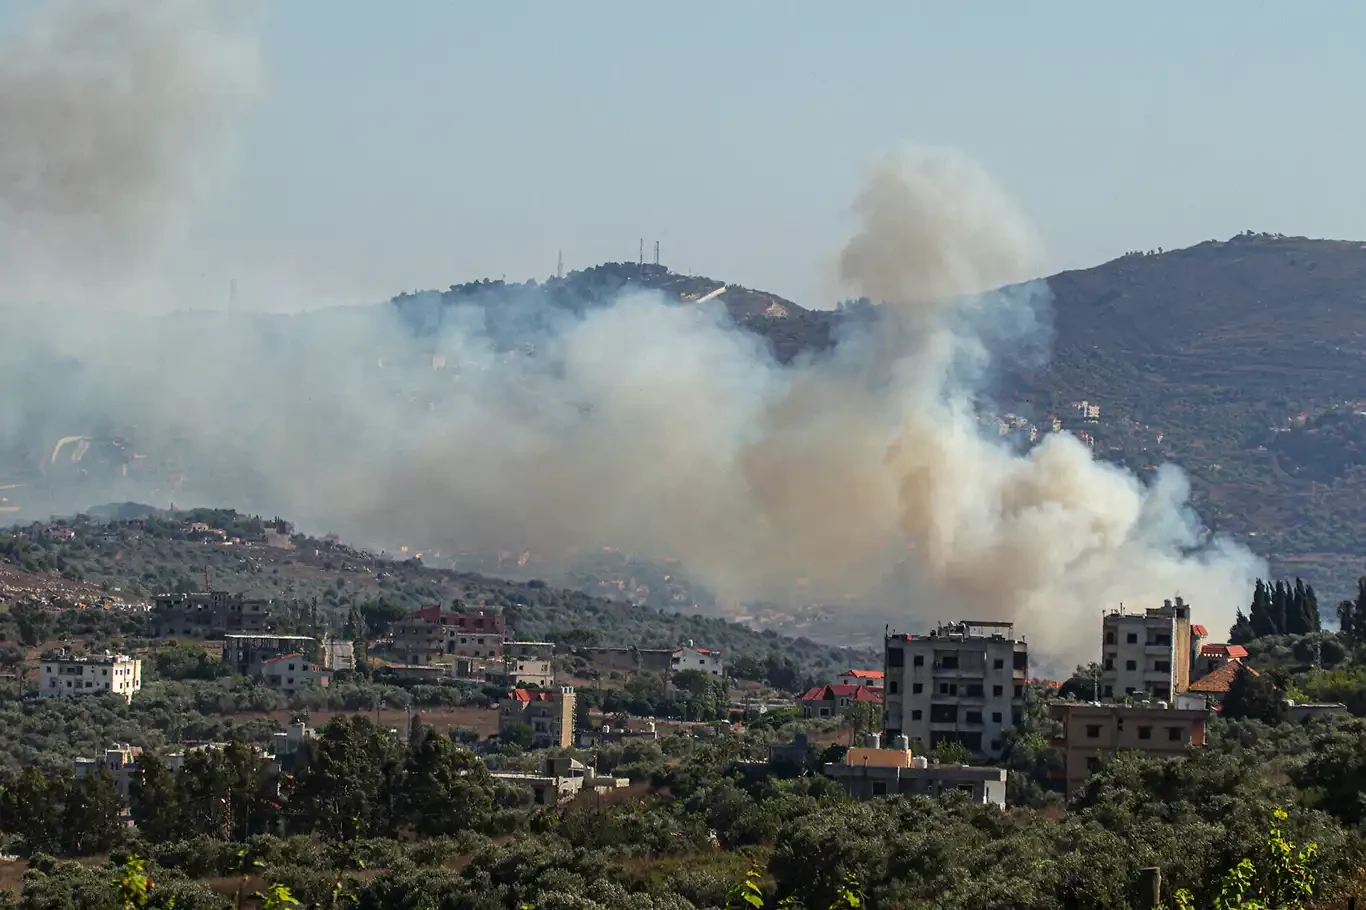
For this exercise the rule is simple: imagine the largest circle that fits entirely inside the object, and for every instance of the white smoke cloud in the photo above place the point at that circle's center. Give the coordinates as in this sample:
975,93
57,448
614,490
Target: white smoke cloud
643,424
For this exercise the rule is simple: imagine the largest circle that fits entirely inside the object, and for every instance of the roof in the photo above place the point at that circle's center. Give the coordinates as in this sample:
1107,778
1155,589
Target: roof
297,655
830,693
526,695
427,614
1231,652
864,674
1220,680
1200,630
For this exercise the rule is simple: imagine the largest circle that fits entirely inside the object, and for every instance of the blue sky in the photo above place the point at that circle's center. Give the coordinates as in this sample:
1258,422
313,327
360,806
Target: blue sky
424,142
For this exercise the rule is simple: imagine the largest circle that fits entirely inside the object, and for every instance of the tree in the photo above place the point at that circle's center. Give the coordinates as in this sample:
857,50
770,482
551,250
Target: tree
863,717
949,752
343,791
31,807
155,800
444,789
1260,613
1253,697
35,623
90,815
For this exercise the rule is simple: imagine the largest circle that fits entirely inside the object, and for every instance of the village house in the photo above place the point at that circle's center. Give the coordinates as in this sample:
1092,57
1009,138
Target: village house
699,659
66,676
529,663
870,678
430,634
870,771
561,779
833,701
550,715
1148,654
1094,731
119,762
291,672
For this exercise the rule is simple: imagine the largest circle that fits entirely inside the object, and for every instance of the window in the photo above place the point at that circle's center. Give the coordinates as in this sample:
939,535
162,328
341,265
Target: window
973,717
919,661
998,691
1109,663
1109,638
1092,764
995,717
998,664
1174,734
1164,640
1132,638
1145,732
917,688
1019,690
974,690
917,714
1093,731
996,745
879,788
1109,691
949,662
891,687
896,657
1162,666
943,714
1021,661
1131,665
948,688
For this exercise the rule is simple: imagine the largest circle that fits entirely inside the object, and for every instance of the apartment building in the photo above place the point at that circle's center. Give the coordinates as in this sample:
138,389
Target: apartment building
428,635
529,663
550,715
67,676
210,614
1094,731
244,654
1148,654
964,682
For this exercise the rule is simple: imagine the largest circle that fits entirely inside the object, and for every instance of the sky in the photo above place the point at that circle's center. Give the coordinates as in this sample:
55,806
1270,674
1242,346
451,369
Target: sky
413,145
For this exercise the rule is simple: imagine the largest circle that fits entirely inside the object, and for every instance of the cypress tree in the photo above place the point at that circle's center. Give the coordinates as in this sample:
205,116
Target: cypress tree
1259,616
1314,622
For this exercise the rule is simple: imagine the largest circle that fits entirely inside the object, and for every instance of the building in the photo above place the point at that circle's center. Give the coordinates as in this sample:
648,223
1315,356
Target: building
833,701
699,659
1213,656
870,678
870,771
429,634
244,654
561,779
631,660
1302,712
338,655
71,676
119,762
1147,654
291,672
529,663
964,682
1094,731
550,715
1215,684
210,614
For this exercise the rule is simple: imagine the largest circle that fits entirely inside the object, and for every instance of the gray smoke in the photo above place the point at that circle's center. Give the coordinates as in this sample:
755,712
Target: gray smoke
638,423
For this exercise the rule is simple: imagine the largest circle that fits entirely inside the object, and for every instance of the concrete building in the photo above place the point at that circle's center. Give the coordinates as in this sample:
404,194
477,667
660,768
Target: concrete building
550,715
631,660
699,659
1213,656
1094,731
478,634
68,676
244,654
869,678
430,634
338,654
833,701
1147,654
119,762
291,672
529,663
210,614
561,779
870,771
964,682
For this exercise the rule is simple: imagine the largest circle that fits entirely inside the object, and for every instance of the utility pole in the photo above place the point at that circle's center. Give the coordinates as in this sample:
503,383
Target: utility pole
559,265
641,260
656,252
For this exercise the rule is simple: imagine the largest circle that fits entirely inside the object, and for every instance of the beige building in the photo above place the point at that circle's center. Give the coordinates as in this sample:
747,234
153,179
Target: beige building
1093,731
291,672
550,715
430,634
964,682
1147,654
68,676
869,771
529,663
119,762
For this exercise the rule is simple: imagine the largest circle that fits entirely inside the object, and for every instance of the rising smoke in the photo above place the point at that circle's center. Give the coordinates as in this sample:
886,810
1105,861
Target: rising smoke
638,423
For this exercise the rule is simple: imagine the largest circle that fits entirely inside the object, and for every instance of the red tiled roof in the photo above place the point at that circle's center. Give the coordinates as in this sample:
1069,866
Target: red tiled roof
1218,681
527,695
427,614
297,655
830,693
1200,630
864,674
1219,650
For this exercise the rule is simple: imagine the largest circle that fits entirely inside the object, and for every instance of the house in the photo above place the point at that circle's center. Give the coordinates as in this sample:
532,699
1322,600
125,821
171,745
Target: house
210,614
243,654
550,715
292,672
1148,654
477,634
428,634
699,659
1094,731
66,676
870,771
529,663
119,762
561,779
1216,683
1213,656
964,682
871,678
833,701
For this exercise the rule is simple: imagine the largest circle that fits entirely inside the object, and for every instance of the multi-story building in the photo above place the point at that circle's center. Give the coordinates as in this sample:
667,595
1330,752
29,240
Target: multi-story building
478,634
699,659
291,672
1094,731
119,762
429,635
550,715
1147,654
210,614
964,682
244,654
529,663
71,676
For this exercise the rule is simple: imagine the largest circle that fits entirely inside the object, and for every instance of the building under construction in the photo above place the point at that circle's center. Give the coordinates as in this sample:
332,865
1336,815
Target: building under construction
211,614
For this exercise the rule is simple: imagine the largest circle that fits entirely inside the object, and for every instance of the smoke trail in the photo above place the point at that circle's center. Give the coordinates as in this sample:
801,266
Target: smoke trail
115,113
636,422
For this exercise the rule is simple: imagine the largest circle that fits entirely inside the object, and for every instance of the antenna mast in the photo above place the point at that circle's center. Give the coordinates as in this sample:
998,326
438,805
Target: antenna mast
641,260
559,265
656,252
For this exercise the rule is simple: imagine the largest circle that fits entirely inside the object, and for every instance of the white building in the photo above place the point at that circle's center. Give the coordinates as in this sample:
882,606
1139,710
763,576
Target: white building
529,663
964,682
71,676
699,659
1148,654
870,678
291,672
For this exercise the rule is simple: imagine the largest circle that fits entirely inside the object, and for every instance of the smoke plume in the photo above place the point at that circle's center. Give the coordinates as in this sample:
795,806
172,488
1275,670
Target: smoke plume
635,422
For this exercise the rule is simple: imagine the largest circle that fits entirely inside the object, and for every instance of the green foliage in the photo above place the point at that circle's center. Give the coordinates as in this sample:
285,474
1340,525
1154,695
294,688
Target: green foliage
1282,879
